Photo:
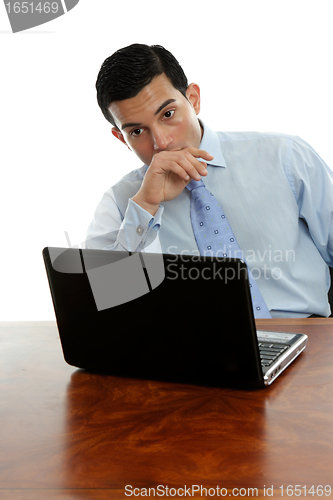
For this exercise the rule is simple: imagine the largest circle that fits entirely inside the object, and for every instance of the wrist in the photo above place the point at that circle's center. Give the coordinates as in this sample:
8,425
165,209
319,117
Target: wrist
149,207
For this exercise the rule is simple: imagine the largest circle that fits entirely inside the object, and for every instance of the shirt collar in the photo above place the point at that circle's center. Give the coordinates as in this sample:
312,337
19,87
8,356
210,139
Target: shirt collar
211,143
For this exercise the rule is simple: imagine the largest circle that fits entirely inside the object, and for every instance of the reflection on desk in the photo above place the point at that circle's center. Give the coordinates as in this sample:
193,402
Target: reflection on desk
70,434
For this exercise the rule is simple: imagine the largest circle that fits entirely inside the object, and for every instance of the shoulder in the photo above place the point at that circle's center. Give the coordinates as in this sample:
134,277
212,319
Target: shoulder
133,178
255,137
136,175
123,190
275,146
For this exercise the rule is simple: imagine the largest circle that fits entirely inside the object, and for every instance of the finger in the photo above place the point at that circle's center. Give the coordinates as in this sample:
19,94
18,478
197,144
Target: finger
181,162
193,167
200,153
199,165
181,166
183,171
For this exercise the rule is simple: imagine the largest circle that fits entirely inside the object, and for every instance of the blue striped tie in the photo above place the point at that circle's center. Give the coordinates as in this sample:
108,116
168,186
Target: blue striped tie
214,236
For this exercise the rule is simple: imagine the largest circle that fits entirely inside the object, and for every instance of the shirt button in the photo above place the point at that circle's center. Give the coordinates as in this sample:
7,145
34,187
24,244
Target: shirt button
139,230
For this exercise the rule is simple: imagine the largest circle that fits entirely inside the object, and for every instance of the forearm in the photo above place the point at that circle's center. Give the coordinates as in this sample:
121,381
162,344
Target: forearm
133,232
138,228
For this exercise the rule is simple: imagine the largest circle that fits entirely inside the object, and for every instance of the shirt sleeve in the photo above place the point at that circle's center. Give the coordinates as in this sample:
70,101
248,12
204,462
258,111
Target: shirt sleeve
312,183
134,232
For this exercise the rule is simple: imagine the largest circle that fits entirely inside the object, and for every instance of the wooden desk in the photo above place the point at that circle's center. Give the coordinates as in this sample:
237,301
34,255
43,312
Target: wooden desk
67,434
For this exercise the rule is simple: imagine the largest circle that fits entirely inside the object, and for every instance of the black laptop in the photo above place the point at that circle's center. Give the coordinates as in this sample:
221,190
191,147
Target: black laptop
163,316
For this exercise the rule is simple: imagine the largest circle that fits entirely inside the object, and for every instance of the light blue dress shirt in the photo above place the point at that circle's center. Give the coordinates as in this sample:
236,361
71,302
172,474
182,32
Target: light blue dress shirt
277,194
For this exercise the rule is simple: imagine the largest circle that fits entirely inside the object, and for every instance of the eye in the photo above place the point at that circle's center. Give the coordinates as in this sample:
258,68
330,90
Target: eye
169,113
136,132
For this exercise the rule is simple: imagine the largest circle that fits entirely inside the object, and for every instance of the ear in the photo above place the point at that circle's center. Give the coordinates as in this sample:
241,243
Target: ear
193,95
118,134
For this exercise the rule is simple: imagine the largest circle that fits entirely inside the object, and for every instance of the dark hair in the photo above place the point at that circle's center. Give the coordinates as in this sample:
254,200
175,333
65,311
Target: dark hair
124,74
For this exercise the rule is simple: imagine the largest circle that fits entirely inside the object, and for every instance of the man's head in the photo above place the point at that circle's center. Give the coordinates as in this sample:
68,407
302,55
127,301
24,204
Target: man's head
144,93
124,74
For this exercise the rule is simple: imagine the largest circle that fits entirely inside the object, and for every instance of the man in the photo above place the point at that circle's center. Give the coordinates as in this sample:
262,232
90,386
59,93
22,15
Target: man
276,193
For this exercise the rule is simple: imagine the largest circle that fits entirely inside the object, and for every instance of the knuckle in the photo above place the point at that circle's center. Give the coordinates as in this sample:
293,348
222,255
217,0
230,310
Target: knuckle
187,154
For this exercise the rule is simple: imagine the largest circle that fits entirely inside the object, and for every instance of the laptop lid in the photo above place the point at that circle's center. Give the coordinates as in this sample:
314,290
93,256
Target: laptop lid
171,317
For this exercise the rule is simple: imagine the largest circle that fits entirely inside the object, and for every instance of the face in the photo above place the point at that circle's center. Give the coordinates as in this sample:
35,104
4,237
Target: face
158,118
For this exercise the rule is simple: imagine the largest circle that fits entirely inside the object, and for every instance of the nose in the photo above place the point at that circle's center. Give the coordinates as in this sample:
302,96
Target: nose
161,139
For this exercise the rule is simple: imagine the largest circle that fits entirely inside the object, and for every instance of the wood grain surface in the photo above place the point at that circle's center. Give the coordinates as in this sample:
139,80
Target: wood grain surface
69,434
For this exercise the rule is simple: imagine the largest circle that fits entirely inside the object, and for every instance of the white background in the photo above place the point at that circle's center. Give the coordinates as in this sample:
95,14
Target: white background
263,65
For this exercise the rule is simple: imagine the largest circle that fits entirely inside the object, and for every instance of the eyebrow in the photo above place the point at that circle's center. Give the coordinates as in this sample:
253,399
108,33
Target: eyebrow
133,124
166,103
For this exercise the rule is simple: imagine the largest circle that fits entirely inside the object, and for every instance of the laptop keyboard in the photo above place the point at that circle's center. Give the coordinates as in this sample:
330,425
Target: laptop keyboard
270,352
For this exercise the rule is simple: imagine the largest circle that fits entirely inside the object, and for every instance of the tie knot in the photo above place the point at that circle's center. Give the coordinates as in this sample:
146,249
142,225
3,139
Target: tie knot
195,184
